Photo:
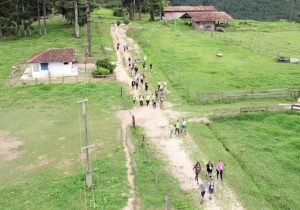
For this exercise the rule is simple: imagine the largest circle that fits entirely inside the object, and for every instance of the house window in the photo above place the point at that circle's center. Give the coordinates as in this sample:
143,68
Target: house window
66,63
44,66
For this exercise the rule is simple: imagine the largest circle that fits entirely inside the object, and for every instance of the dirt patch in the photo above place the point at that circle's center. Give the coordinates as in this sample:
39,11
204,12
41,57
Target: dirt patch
9,147
42,161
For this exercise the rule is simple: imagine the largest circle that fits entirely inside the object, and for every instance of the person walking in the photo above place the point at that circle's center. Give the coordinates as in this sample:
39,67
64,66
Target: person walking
148,97
134,98
220,168
153,101
158,85
118,46
202,188
197,169
183,126
172,130
209,169
151,67
211,188
161,101
141,100
142,78
137,84
177,127
132,84
146,86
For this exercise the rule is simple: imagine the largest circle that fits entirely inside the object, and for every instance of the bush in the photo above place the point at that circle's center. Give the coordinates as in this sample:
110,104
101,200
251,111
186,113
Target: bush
100,71
105,63
126,21
118,12
118,23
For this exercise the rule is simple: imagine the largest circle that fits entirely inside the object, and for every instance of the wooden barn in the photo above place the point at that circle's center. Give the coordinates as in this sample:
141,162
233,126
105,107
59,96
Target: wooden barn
206,21
175,12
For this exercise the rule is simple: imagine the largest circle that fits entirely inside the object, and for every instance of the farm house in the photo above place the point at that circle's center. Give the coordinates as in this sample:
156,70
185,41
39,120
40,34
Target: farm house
175,12
53,63
206,21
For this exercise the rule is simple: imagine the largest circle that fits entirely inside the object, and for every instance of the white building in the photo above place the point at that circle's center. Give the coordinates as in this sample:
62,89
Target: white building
53,63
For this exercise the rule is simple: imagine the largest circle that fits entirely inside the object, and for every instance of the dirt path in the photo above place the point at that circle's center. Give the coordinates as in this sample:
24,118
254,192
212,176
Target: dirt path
155,123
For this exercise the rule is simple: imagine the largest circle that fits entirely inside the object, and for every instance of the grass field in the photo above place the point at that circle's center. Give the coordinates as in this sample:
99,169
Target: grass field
46,170
49,172
261,155
153,182
187,59
60,35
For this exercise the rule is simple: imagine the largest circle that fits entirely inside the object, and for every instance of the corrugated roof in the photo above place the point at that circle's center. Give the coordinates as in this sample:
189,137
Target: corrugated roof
190,9
53,55
211,17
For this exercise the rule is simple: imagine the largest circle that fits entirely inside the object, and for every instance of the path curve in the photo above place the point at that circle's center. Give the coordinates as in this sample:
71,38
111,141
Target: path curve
155,123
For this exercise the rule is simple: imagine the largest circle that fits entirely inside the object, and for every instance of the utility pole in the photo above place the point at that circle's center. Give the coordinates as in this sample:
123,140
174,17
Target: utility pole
88,168
88,26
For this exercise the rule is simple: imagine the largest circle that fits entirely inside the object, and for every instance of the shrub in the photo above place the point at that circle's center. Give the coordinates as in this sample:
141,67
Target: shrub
118,23
100,72
126,21
105,63
118,12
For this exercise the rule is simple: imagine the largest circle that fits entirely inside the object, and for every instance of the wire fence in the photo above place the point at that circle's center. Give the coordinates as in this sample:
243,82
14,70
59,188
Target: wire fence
231,112
15,77
240,95
254,46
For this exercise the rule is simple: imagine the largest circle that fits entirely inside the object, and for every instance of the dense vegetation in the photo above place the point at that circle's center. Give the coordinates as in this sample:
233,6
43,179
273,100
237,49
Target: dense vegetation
252,9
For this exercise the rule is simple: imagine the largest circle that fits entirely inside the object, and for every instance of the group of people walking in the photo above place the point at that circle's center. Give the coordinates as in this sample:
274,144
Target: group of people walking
178,128
209,174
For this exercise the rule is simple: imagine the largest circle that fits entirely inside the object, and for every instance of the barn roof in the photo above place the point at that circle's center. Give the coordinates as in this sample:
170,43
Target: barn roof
53,55
190,9
211,17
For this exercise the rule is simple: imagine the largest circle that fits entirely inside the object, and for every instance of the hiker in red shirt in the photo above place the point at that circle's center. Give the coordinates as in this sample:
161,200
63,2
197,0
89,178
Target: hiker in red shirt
118,46
220,168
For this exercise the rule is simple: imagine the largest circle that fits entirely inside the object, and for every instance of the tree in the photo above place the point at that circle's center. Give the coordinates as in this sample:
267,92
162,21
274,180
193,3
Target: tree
88,26
45,16
77,29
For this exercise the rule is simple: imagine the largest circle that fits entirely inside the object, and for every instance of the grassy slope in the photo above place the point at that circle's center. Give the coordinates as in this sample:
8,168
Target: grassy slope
152,194
46,119
60,35
190,59
40,116
261,155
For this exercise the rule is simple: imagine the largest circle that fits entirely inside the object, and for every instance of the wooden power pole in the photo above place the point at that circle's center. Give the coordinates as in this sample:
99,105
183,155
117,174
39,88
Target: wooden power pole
88,167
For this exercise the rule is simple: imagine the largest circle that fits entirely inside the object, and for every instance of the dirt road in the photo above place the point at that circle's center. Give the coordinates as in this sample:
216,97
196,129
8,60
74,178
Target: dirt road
155,123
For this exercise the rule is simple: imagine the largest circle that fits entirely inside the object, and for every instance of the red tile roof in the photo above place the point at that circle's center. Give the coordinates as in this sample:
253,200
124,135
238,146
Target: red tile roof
190,9
53,55
211,17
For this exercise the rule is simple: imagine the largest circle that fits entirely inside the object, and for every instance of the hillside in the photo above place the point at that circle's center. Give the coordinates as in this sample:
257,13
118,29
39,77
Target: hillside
251,9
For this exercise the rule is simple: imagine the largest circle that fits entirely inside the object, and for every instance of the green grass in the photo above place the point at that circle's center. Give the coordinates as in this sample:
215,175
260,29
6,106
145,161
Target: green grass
47,120
252,25
187,60
261,155
60,35
153,193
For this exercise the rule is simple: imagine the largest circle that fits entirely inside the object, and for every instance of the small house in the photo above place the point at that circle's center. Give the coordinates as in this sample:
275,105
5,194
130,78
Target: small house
175,12
53,63
206,21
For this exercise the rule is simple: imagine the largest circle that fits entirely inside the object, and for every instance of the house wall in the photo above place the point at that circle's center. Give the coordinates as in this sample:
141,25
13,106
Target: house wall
204,26
173,15
55,69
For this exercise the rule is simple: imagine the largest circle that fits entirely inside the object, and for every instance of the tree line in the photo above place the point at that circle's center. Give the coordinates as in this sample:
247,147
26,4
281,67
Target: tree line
17,16
263,10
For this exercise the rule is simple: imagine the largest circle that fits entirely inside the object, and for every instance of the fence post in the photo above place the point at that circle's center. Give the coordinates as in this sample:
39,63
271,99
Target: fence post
121,91
36,81
76,79
133,121
143,140
63,79
89,78
168,205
